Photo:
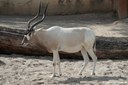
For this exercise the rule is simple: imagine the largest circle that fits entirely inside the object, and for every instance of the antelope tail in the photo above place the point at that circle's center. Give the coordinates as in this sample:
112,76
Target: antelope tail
94,47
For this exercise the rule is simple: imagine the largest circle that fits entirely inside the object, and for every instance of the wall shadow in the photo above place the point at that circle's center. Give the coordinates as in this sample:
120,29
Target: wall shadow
97,78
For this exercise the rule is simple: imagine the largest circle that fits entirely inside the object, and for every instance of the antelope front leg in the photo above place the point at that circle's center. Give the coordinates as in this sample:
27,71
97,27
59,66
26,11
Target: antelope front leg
53,75
56,61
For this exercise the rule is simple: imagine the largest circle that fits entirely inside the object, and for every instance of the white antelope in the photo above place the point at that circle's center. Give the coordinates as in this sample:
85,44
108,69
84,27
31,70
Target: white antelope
57,38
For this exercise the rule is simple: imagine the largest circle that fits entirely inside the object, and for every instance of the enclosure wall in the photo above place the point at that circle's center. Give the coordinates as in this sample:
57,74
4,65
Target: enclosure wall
29,7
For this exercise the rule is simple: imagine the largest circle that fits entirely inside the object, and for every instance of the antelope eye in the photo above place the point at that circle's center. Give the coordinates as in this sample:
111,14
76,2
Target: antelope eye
25,39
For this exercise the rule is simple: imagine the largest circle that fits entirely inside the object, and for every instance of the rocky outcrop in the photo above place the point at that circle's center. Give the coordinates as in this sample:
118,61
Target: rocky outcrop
107,47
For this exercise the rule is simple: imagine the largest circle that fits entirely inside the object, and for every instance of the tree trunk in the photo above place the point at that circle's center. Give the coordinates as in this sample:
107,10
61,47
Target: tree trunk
107,47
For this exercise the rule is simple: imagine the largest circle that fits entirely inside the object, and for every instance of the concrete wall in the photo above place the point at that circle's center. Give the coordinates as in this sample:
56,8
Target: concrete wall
29,7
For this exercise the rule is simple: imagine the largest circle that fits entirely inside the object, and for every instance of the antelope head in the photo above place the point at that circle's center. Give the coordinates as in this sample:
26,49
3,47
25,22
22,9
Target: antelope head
27,39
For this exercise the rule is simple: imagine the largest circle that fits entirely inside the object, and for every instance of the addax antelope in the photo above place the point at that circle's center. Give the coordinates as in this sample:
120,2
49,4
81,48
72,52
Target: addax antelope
57,38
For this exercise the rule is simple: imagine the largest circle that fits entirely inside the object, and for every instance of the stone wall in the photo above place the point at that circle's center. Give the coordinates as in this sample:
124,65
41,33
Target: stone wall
56,7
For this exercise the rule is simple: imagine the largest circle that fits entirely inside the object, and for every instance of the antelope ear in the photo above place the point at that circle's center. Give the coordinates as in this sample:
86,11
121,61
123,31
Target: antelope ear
28,37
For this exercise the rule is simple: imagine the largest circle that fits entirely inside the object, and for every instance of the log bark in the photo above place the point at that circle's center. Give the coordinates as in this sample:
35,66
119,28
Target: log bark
107,47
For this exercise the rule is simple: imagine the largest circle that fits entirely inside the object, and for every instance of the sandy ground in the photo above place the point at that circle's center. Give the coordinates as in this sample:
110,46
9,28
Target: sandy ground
31,70
102,24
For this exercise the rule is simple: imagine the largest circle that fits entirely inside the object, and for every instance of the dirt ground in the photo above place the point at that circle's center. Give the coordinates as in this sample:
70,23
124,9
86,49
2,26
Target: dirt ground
31,70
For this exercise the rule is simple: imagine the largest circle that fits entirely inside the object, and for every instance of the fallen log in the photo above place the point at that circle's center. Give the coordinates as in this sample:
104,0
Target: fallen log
107,47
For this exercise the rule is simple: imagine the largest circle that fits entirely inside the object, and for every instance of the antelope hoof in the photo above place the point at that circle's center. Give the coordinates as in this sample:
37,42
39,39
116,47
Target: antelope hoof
80,74
93,74
52,76
60,74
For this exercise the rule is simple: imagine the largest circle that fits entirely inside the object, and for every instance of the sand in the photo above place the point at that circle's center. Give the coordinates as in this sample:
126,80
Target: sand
31,70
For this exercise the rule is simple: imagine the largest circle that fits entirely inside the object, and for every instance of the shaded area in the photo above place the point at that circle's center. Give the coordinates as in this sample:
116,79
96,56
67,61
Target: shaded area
20,22
86,80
